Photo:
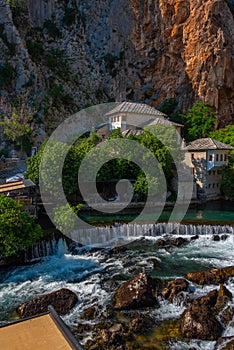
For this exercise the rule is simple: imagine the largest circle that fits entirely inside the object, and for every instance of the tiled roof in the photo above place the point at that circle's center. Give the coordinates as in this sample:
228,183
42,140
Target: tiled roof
206,144
139,108
132,132
163,121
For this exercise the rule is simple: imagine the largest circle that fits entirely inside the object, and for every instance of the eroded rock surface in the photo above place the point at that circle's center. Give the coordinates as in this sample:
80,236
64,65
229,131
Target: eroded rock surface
90,52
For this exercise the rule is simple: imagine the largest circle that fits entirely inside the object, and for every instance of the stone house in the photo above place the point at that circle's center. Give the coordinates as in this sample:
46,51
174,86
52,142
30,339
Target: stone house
129,116
206,157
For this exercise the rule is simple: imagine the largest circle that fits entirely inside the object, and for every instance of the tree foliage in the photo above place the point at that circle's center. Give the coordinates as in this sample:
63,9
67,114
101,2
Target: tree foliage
118,167
17,128
64,218
225,135
227,185
200,121
33,165
17,229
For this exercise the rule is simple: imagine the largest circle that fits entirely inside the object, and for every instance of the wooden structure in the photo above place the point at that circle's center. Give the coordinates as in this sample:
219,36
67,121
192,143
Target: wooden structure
42,332
25,191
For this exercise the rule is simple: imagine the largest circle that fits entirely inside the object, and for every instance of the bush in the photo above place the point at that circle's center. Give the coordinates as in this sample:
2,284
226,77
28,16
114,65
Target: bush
35,49
52,29
227,184
56,62
18,230
168,106
7,74
69,16
60,97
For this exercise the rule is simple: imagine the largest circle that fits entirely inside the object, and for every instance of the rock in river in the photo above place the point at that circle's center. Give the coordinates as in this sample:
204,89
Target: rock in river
174,287
62,301
200,321
211,276
136,293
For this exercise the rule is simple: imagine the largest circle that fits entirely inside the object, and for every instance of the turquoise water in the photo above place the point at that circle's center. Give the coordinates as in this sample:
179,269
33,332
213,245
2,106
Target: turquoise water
212,212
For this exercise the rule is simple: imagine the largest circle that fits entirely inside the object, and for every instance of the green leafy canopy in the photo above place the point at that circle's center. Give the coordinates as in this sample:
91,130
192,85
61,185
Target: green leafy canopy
18,230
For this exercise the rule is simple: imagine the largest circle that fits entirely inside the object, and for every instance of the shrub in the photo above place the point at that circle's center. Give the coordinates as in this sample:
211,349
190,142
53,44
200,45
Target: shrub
7,74
69,16
59,96
52,29
17,229
35,49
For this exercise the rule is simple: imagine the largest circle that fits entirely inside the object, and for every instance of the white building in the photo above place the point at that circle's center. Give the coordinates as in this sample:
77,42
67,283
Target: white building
206,157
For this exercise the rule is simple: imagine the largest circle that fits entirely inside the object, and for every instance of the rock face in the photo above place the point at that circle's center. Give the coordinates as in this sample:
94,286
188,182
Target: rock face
200,321
136,293
212,276
61,58
63,300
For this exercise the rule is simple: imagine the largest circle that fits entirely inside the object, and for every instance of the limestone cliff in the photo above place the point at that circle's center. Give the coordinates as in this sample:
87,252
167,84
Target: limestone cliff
62,55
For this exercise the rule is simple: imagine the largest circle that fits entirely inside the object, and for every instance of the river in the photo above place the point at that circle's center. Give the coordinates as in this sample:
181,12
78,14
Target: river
91,274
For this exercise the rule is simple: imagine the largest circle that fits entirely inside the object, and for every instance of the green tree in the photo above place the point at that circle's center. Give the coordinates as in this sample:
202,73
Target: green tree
200,121
225,135
64,218
74,156
33,166
18,230
116,134
227,184
145,185
17,128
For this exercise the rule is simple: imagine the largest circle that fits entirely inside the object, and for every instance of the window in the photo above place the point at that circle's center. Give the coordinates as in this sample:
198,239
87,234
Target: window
210,158
209,172
225,157
221,157
213,172
213,185
217,157
217,185
192,156
209,186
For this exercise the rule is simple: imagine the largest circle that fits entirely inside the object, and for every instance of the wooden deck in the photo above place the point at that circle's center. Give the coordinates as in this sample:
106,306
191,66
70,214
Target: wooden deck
44,332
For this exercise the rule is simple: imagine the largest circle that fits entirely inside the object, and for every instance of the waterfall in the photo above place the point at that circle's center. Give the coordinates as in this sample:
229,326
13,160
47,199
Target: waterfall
103,235
46,248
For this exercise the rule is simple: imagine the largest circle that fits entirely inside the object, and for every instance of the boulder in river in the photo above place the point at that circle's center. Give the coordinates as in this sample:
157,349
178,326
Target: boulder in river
138,292
211,276
179,241
62,300
174,287
200,321
225,343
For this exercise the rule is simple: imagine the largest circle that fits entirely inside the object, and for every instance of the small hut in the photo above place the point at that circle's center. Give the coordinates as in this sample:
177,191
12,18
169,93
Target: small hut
25,191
